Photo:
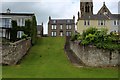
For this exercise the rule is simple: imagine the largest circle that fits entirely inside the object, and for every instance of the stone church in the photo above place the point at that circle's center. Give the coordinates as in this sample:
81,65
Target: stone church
103,19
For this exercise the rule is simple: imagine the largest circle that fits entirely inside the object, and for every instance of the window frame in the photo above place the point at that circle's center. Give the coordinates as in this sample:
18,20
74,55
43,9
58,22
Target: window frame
54,27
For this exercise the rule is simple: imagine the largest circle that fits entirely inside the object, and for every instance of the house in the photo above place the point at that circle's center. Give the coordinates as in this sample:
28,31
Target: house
61,27
40,30
6,22
103,19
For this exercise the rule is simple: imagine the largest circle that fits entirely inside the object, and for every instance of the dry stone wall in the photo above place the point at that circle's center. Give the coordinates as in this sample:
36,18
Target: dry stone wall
92,56
13,52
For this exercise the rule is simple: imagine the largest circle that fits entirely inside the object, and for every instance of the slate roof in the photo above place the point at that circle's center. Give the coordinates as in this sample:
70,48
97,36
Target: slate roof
114,16
61,21
100,17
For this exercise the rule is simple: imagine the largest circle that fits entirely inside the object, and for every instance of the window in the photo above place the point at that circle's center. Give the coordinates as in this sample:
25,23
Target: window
61,26
101,22
61,33
86,22
21,22
5,22
68,33
53,26
116,22
54,34
68,27
19,34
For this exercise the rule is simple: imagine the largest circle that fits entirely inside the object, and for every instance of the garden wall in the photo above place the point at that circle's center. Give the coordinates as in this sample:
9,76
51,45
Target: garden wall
13,52
92,56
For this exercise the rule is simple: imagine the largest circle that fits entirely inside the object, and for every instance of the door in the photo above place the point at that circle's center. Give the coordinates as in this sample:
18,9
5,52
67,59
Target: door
61,33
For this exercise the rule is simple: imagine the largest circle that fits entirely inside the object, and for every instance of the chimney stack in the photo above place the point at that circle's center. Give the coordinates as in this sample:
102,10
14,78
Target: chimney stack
8,10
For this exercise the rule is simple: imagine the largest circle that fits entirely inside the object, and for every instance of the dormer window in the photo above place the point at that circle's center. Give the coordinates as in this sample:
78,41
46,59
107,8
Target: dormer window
68,21
54,21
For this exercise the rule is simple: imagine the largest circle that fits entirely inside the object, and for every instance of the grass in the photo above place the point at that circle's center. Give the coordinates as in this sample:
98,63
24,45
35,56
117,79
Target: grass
47,59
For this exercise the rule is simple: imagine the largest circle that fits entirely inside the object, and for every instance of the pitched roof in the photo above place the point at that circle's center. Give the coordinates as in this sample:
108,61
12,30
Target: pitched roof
61,21
114,16
94,17
100,17
104,9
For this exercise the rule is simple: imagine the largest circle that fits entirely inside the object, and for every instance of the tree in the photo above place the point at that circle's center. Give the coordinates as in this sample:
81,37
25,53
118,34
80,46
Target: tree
13,33
34,30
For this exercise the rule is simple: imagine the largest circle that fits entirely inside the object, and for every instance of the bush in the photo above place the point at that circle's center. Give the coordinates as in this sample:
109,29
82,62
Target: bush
85,42
75,37
99,38
90,38
24,36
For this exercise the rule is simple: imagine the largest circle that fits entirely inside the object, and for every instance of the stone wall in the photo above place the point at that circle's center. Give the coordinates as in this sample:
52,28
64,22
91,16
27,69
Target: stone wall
92,56
13,52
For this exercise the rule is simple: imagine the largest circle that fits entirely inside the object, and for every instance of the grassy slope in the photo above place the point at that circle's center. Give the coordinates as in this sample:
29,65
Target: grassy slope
53,63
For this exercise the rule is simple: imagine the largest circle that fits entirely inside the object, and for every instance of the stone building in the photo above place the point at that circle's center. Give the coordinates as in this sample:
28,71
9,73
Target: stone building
40,30
6,25
103,19
61,27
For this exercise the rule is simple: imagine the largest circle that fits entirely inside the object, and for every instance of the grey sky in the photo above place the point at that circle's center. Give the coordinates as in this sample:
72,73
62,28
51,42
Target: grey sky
54,8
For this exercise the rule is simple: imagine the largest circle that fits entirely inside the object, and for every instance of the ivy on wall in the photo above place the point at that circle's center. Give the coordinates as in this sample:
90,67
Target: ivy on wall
34,30
29,29
13,32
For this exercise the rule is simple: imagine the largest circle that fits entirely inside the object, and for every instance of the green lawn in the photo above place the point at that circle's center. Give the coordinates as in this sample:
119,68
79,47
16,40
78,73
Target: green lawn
47,59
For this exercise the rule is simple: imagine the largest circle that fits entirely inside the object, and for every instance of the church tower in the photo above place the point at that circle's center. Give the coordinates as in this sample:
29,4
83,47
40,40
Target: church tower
86,7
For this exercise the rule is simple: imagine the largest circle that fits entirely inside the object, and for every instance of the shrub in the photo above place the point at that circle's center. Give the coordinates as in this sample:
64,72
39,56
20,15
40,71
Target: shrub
99,38
24,36
91,30
90,38
75,37
85,42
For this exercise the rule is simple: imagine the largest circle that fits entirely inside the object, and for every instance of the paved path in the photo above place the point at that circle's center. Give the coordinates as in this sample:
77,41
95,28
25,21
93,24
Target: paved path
71,55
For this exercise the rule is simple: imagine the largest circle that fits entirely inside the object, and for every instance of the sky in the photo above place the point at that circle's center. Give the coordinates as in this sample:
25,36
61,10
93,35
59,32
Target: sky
57,9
